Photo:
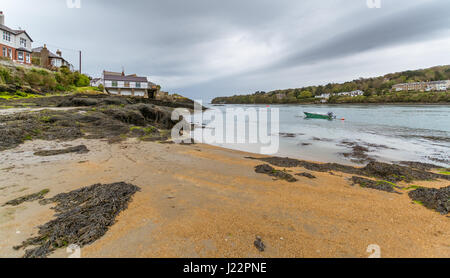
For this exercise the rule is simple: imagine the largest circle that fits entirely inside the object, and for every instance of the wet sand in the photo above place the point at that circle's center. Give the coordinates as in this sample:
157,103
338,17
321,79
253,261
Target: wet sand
205,201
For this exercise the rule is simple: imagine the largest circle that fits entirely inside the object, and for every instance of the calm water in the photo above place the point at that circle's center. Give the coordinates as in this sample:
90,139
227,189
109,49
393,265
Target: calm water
413,133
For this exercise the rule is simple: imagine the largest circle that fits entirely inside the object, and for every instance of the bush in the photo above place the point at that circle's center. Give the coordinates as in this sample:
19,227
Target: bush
83,81
5,75
33,78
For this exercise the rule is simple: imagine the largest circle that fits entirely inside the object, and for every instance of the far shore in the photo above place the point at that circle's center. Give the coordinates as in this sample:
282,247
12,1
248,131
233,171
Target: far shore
337,104
205,201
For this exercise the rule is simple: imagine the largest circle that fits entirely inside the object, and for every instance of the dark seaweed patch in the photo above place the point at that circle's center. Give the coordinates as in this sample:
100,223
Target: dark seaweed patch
432,198
83,216
269,170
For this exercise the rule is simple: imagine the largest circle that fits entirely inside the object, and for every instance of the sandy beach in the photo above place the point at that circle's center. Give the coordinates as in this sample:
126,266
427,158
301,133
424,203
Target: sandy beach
204,201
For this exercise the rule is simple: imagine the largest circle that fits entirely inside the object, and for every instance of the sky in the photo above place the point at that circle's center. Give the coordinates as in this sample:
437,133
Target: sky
207,48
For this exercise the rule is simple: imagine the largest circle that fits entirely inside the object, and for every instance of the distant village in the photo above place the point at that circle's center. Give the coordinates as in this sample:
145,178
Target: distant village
16,46
431,86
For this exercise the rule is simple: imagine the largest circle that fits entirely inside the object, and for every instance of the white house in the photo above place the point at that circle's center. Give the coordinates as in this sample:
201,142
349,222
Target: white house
15,44
116,83
441,85
95,82
325,96
356,93
352,93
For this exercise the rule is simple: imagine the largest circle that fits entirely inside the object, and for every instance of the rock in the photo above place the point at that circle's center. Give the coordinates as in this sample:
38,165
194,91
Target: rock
127,116
288,135
78,101
435,199
378,185
307,175
395,173
385,171
28,198
419,165
259,244
81,149
268,170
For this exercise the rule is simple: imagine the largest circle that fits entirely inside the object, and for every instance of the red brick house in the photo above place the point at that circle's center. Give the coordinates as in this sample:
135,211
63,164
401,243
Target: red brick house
14,44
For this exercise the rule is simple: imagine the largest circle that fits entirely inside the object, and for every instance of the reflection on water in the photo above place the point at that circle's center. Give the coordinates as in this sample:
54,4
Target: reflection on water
390,132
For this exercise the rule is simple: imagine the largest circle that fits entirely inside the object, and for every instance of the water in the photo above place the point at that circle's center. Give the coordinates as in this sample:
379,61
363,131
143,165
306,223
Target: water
407,132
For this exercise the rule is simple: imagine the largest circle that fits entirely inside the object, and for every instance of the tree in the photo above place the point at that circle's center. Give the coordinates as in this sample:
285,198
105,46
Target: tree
305,94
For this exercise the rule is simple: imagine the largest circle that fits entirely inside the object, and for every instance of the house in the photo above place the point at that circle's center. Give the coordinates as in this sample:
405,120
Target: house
352,93
356,93
95,82
47,59
15,44
127,85
323,96
441,85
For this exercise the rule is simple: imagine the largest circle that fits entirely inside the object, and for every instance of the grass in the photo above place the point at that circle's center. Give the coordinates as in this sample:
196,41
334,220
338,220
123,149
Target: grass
45,119
388,182
412,187
16,95
87,90
445,173
147,130
418,202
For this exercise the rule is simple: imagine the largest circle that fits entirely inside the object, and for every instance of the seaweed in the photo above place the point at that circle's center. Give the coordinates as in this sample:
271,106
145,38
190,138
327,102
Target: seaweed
268,170
28,198
432,198
83,216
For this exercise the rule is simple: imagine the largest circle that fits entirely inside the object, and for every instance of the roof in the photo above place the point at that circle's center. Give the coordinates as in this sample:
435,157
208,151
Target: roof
50,54
113,76
23,49
15,32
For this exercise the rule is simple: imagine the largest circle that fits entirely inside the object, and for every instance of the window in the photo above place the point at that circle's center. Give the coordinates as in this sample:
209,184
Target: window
114,83
10,53
23,42
6,36
127,84
4,52
28,58
20,56
138,84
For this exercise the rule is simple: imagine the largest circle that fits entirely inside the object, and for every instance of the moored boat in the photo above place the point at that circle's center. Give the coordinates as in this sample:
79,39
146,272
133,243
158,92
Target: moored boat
328,116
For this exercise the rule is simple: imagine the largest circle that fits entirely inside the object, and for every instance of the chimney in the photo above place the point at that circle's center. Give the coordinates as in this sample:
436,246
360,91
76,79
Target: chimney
59,53
2,18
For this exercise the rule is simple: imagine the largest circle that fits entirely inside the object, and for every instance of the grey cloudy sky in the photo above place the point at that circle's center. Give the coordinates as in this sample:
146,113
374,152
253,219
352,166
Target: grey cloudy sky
207,48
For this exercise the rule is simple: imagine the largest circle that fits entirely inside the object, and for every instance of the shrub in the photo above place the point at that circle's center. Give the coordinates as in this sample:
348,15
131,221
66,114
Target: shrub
83,81
5,75
33,78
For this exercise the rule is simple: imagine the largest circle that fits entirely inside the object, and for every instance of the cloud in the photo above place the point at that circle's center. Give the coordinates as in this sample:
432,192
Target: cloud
205,48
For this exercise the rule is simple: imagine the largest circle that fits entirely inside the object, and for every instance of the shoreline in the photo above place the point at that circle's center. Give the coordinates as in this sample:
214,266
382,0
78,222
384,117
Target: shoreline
206,201
337,104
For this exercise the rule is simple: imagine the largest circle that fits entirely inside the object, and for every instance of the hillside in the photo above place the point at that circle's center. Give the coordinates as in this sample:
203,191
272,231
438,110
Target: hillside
376,90
24,81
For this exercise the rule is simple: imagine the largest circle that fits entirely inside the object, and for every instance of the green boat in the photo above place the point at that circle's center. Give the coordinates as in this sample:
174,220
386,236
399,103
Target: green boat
329,116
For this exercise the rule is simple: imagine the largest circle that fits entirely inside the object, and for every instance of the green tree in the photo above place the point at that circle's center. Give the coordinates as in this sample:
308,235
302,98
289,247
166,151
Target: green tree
305,94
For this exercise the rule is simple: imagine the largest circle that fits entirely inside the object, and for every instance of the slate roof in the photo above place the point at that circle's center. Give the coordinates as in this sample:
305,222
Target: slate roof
15,32
131,78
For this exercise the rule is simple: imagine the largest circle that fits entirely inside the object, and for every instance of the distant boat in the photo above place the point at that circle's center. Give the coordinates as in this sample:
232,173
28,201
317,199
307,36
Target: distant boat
329,116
